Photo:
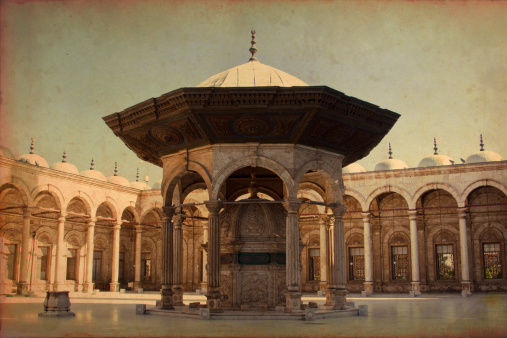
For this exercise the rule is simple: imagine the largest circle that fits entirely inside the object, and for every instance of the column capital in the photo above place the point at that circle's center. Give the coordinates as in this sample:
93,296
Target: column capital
178,219
91,221
462,212
138,227
292,205
213,206
366,216
168,211
117,226
62,217
412,214
26,212
338,209
323,219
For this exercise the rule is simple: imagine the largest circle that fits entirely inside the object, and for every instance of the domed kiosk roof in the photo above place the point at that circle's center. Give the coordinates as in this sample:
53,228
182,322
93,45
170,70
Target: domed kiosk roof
435,159
64,166
484,156
391,163
92,173
33,159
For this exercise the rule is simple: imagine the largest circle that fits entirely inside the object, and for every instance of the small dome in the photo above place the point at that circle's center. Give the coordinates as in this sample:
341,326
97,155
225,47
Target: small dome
390,164
484,156
34,159
435,160
6,152
353,168
64,166
157,185
95,174
252,74
139,185
119,180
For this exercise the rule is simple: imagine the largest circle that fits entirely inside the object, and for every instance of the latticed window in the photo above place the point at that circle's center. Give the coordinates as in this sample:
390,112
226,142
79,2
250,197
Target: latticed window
445,262
71,264
42,263
314,263
97,265
121,266
492,261
11,260
356,263
146,265
399,262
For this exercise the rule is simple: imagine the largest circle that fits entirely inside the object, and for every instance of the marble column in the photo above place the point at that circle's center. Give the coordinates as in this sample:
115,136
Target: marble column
323,254
292,254
25,247
137,259
178,259
463,241
330,296
414,253
213,294
167,259
339,266
114,286
88,283
368,259
204,283
61,267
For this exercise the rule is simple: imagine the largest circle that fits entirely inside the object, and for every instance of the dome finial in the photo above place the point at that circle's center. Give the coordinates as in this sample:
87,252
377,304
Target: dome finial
435,148
32,147
137,176
482,144
92,165
115,169
64,156
390,152
253,49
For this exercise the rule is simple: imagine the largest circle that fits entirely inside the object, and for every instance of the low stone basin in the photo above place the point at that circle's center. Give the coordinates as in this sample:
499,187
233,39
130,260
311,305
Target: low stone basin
57,304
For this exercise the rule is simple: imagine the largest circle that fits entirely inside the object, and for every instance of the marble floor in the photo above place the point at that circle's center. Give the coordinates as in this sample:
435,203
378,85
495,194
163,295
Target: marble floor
481,315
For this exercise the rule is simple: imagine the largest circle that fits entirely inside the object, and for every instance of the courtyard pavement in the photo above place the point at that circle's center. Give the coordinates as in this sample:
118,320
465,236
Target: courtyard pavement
107,314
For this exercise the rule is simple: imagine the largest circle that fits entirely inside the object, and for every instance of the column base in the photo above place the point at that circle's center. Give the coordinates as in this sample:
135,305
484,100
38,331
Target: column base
167,299
114,287
22,289
213,301
466,289
330,297
178,295
136,286
340,299
58,287
322,288
292,301
368,289
204,288
88,287
416,289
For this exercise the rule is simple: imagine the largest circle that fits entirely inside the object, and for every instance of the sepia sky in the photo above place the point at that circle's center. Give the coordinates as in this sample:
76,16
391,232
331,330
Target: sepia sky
441,65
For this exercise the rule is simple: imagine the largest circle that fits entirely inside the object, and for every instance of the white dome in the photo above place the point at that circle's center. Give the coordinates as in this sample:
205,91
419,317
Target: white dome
353,168
66,167
390,164
95,174
119,180
484,156
34,159
252,74
157,185
6,152
140,185
435,160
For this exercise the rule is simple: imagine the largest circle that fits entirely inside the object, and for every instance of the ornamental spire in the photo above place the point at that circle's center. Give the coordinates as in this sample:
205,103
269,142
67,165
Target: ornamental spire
435,148
137,176
32,147
390,152
64,157
92,165
482,144
253,49
115,169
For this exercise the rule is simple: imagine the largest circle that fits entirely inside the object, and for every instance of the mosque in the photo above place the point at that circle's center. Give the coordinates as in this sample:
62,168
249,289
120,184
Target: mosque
255,208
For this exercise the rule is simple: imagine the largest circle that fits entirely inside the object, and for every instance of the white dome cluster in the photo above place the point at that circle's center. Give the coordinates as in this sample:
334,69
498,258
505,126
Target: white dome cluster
391,163
33,159
64,166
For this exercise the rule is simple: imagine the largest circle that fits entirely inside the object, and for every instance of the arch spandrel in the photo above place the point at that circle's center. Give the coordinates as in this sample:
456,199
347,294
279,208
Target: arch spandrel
85,199
21,188
478,184
134,213
391,189
177,173
332,175
50,189
358,197
436,186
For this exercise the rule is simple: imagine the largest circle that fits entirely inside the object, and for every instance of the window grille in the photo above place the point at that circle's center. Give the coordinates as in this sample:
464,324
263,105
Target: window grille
356,263
146,265
121,266
492,261
71,264
445,262
11,259
400,262
42,263
314,263
97,265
